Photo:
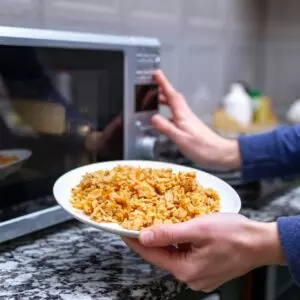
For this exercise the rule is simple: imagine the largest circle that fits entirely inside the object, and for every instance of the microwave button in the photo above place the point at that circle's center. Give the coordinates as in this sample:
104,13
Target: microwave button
145,146
142,127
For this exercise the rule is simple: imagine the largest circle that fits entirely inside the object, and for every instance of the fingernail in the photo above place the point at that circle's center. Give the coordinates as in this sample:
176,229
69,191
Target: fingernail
147,236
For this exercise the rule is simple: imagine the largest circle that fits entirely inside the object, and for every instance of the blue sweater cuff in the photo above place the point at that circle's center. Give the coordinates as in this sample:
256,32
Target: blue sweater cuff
272,154
289,232
258,154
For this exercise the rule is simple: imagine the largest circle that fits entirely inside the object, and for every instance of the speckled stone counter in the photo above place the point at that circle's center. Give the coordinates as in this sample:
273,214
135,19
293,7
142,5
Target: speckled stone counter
287,204
74,261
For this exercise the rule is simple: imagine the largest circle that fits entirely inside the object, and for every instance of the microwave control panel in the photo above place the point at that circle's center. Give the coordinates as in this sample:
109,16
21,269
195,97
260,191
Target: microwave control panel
147,60
146,101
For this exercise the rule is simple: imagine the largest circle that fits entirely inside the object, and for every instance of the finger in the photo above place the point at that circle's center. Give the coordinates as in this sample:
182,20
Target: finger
166,127
174,99
156,256
164,84
194,232
163,99
168,234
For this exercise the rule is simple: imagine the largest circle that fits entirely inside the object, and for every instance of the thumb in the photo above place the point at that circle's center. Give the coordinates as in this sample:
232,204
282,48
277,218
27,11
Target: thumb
168,128
168,234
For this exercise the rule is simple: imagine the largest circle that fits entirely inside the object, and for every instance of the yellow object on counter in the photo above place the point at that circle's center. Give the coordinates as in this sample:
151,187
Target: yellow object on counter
264,112
226,125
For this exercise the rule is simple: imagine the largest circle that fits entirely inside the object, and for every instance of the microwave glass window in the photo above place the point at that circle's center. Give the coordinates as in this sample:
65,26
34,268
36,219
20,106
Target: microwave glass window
146,97
64,107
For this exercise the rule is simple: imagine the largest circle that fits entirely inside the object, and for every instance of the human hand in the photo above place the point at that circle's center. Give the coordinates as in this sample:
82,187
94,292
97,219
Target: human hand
211,250
193,138
103,141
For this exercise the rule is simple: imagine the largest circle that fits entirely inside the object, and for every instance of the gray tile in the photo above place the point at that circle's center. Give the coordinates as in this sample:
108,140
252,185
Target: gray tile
20,13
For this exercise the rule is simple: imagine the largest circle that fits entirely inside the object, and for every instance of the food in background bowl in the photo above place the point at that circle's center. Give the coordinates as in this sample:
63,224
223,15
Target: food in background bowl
136,198
8,159
12,160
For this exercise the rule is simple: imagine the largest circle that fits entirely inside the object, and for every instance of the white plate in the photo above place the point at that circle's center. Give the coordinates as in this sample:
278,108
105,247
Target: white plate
230,200
8,169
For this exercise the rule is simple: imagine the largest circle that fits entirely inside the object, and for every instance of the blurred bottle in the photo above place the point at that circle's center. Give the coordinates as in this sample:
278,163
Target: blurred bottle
256,96
264,114
293,113
238,104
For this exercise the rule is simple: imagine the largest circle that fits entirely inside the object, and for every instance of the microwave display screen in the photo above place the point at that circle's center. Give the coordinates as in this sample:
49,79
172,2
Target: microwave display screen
146,97
60,108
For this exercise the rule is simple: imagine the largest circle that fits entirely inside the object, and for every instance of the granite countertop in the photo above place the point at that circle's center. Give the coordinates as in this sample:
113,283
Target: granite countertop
74,261
286,204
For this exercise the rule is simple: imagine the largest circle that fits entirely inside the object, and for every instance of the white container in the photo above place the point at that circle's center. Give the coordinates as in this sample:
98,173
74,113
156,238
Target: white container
293,114
238,104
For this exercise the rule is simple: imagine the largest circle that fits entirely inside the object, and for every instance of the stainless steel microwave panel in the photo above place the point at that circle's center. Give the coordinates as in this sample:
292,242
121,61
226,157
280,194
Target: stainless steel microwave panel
141,58
140,139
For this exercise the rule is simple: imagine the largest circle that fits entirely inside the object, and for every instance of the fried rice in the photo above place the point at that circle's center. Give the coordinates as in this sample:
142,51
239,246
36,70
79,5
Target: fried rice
136,198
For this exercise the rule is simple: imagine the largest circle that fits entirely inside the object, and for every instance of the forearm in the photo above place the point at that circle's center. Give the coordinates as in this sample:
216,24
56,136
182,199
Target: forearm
230,155
265,244
273,244
262,244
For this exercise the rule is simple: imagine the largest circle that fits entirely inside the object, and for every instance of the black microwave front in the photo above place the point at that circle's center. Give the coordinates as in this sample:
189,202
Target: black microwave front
69,99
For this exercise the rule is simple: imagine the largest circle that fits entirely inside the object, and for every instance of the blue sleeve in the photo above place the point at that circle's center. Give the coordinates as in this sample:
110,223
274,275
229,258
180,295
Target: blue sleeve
289,231
277,154
272,154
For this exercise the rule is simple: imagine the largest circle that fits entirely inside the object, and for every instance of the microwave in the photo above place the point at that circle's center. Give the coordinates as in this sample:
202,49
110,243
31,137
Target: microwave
68,99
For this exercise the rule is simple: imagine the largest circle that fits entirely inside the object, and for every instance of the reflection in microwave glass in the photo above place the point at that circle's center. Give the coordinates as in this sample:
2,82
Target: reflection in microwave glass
146,97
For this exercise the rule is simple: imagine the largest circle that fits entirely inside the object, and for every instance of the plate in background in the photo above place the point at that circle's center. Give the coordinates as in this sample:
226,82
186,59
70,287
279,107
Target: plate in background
10,168
230,200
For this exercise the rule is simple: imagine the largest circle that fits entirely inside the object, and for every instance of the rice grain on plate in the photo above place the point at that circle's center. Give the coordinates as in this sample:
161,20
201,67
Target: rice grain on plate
136,198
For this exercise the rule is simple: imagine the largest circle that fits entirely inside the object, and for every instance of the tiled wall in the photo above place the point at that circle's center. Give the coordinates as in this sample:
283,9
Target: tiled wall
207,44
282,52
